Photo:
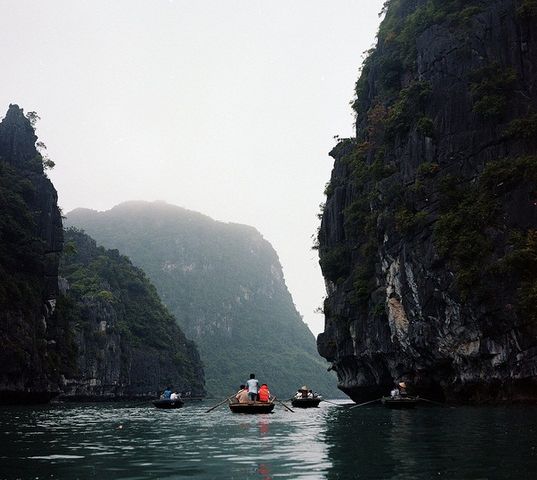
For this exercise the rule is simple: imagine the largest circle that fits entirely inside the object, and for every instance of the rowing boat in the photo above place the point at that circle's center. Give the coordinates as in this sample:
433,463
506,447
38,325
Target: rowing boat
168,403
306,402
400,403
252,407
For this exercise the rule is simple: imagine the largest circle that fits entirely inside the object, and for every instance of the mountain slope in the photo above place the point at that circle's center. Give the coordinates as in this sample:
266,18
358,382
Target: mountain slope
128,344
224,284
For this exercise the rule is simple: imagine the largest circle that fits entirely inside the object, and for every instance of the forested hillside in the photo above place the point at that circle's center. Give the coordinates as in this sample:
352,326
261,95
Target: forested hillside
224,284
128,343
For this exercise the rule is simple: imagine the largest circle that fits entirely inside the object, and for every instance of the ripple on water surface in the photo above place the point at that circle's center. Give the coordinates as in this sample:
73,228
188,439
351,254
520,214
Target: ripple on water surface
137,441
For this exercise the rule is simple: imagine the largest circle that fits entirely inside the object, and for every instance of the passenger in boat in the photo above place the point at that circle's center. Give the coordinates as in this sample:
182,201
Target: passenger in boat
402,389
167,393
174,396
302,392
394,392
253,387
242,394
264,393
310,393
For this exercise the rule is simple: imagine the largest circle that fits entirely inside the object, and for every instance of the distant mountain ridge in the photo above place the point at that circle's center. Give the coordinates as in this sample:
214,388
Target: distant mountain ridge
224,284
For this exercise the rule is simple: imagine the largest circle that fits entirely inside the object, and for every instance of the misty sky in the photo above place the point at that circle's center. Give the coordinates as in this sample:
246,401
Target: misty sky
226,107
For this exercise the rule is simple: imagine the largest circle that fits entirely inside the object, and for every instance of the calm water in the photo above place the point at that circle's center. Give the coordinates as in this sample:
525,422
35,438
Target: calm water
136,441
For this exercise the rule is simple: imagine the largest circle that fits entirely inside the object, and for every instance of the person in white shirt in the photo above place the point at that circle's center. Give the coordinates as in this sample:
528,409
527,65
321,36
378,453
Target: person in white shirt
174,396
253,387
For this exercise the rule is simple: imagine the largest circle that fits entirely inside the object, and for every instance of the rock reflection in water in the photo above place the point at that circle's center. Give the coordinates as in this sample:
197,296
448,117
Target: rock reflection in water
470,443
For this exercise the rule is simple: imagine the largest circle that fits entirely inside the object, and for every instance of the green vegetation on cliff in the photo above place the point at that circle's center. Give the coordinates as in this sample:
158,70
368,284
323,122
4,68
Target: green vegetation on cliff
116,312
30,242
224,284
393,105
428,234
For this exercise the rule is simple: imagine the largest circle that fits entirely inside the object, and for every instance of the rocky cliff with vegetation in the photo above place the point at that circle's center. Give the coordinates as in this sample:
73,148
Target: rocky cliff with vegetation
106,335
428,241
127,343
224,284
32,340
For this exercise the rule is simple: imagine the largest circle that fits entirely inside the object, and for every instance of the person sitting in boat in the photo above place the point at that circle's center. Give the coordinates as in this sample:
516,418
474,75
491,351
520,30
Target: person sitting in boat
253,387
167,393
310,393
302,392
264,393
394,393
402,389
174,396
242,394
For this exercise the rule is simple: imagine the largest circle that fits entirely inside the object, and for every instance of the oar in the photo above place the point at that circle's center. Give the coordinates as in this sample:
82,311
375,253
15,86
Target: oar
328,401
281,403
366,403
432,401
221,403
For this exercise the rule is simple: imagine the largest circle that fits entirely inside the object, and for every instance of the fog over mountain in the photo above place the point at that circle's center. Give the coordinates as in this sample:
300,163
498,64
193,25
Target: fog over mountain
224,284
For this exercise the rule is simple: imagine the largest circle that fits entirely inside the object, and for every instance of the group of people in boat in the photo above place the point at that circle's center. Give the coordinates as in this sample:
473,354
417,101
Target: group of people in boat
399,390
169,394
253,392
305,392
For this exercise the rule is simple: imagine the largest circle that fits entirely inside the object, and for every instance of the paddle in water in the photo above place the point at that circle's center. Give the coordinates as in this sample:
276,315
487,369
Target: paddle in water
281,403
221,403
366,403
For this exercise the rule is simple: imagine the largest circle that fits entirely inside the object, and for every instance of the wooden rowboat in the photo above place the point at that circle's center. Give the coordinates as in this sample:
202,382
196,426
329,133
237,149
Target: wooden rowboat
306,402
400,403
252,407
168,403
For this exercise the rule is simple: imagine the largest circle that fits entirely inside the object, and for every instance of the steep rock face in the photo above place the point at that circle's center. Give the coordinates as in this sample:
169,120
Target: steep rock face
428,241
224,284
30,242
128,344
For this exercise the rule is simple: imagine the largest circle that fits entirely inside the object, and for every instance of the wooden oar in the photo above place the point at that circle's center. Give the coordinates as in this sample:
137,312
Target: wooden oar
281,403
221,403
333,403
432,401
365,403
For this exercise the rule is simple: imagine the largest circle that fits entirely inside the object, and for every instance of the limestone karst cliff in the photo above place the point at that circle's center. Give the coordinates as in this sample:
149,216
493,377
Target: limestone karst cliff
31,240
428,241
106,334
127,343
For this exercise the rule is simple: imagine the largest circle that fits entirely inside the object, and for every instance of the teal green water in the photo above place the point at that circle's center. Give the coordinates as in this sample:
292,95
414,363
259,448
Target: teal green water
136,441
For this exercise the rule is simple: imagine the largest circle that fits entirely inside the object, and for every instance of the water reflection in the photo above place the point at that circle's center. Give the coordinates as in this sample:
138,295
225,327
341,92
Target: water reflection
138,442
470,443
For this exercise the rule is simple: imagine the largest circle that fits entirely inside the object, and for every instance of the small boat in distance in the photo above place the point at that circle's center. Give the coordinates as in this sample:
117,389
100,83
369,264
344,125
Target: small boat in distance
252,407
168,403
400,402
306,402
305,398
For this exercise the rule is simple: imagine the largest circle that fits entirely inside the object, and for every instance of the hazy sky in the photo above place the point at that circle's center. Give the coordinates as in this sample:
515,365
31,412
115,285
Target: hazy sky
226,107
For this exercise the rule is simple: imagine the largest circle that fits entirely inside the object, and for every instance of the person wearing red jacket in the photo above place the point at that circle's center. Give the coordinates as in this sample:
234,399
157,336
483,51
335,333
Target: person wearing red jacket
264,393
